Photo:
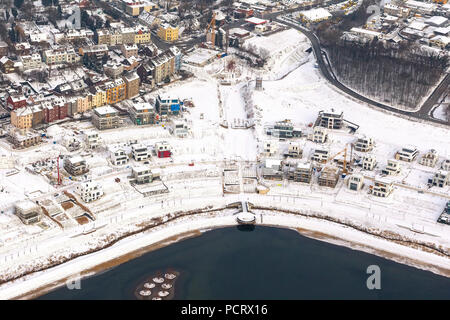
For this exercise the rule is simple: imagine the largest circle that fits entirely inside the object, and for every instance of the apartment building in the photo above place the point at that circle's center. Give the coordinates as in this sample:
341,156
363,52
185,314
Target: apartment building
166,105
142,113
129,50
116,91
303,172
22,118
135,8
168,32
295,150
132,83
329,177
272,169
330,119
32,61
60,56
105,117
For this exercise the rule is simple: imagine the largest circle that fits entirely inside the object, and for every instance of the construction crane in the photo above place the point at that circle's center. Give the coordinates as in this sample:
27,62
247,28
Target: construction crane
344,170
212,27
57,166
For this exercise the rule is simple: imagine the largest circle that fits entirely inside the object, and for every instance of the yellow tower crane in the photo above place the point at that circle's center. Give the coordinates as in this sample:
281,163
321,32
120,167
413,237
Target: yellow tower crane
212,27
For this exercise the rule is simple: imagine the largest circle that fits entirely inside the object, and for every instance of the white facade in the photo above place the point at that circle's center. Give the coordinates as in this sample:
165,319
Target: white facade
140,152
89,191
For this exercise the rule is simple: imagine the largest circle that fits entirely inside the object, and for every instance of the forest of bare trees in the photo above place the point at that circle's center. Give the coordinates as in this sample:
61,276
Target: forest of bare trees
397,76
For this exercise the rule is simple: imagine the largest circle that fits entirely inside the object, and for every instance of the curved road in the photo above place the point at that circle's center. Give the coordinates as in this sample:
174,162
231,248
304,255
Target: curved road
423,113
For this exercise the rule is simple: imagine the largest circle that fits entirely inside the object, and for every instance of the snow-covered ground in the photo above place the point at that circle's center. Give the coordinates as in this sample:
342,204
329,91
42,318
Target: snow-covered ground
292,89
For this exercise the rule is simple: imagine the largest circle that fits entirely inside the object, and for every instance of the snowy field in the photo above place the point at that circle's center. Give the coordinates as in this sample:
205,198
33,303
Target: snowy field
292,89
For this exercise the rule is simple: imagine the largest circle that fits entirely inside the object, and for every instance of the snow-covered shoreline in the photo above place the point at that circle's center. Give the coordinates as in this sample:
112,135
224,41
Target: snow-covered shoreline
41,282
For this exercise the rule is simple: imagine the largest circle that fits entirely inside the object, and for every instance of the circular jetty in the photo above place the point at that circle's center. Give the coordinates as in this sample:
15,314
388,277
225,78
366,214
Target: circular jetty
162,285
145,293
149,285
163,293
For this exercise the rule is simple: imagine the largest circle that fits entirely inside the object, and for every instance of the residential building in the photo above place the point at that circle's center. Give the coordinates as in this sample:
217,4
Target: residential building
441,179
7,65
163,149
315,15
92,139
407,154
98,50
393,167
272,169
270,148
32,61
135,7
382,187
16,101
320,155
364,144
113,69
303,172
75,165
369,162
330,120
105,117
320,135
129,50
89,190
118,156
23,138
28,211
141,174
166,105
295,150
355,182
140,152
132,82
167,32
445,165
61,55
22,118
329,176
143,113
429,159
179,129
116,91
142,35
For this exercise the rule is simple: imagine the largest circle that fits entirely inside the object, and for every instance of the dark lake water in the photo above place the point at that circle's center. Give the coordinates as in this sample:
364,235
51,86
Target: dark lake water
265,263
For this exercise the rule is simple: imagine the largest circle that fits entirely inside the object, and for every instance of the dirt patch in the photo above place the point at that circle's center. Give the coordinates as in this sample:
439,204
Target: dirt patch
67,205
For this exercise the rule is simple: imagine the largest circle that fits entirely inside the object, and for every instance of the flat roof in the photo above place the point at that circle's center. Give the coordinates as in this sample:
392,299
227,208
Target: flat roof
254,20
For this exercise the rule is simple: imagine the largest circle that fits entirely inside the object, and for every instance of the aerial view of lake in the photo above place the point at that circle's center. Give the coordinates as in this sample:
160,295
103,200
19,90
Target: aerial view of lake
262,263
